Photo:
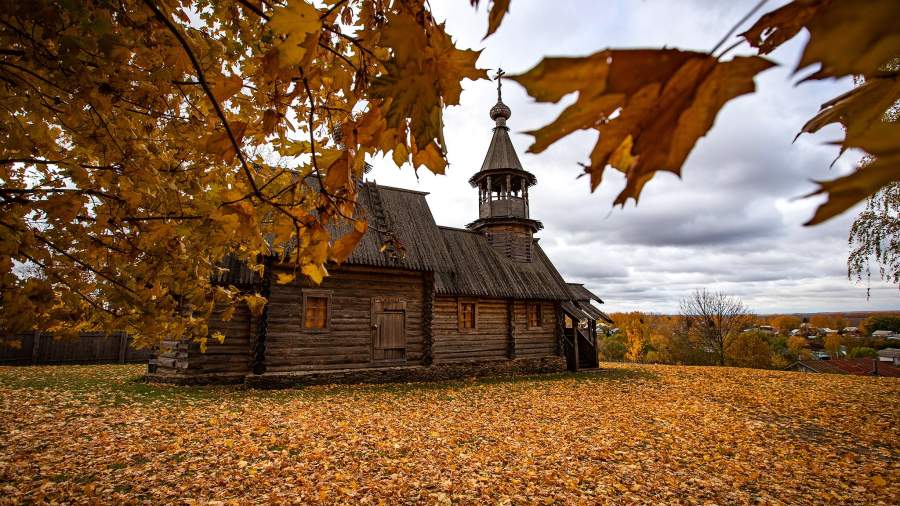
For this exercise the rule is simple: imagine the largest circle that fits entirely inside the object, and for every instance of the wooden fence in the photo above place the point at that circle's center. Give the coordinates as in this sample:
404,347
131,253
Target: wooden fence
88,348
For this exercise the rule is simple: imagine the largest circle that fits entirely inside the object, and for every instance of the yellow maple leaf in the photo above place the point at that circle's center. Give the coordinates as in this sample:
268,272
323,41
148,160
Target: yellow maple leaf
294,22
284,278
255,302
344,246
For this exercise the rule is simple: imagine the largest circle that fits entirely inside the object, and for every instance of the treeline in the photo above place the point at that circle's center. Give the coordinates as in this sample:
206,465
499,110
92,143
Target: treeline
715,329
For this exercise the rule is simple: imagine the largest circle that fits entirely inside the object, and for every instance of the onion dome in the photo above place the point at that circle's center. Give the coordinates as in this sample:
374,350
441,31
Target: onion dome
500,113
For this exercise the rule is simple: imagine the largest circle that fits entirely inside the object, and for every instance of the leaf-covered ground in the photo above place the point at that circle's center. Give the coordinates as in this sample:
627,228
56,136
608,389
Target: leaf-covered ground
626,435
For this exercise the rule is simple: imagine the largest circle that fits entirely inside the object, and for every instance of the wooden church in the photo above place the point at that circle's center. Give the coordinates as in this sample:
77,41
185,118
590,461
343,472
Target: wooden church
458,302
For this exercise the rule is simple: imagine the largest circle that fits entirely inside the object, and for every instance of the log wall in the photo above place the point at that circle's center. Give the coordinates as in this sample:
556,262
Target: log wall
535,342
230,360
347,343
492,335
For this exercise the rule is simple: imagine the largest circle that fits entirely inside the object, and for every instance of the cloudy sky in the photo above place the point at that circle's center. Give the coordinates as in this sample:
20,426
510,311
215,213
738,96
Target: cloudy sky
732,223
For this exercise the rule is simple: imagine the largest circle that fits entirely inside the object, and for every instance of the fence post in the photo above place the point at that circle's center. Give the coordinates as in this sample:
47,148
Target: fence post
123,346
35,350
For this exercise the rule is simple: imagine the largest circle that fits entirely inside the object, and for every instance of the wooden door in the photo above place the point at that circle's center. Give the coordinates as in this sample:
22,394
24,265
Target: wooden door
389,329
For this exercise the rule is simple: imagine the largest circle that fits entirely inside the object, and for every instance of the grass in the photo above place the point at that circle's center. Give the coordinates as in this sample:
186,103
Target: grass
633,434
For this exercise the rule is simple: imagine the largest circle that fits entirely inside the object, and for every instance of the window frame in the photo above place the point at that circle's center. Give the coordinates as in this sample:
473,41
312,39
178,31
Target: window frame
316,294
540,315
459,316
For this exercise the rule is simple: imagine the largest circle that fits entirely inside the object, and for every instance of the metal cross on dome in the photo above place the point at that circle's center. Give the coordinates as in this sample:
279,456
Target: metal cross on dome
500,73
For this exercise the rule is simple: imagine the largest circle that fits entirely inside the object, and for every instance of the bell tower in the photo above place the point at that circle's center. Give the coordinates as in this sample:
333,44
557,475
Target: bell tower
503,214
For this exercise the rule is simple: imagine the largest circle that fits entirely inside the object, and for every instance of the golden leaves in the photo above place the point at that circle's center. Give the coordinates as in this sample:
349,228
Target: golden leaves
294,22
451,441
649,106
255,302
219,142
344,246
422,76
225,87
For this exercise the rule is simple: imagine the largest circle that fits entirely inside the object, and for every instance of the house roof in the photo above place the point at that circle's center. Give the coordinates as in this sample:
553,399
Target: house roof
463,262
579,292
889,352
855,366
501,154
478,270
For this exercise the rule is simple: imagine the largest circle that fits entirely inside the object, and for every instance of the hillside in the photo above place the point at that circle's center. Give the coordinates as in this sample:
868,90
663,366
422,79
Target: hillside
634,434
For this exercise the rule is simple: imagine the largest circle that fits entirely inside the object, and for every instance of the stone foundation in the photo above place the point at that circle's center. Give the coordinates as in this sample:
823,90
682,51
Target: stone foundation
399,374
435,372
195,379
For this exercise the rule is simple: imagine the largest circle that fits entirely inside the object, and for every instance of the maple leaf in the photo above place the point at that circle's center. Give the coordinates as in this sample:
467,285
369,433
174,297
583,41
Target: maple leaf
418,84
844,192
219,143
284,278
224,88
499,8
862,113
344,246
781,25
294,22
255,302
649,106
846,41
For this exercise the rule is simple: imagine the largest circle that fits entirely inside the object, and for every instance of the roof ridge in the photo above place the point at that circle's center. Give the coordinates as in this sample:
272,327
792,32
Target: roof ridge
395,188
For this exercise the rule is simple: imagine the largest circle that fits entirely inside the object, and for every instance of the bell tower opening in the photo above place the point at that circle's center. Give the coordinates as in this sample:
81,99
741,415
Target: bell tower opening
502,182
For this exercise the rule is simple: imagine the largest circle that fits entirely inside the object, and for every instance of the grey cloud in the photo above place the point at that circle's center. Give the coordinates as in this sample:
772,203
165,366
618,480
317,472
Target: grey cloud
732,223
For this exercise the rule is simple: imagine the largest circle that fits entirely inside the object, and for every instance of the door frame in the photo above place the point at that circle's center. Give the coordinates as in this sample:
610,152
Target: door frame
388,305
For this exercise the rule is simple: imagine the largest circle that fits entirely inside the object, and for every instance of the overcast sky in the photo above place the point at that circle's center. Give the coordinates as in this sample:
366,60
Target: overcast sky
732,223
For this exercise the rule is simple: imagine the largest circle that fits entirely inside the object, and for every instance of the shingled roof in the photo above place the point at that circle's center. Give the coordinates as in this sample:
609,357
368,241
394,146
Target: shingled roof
580,293
463,262
478,270
501,154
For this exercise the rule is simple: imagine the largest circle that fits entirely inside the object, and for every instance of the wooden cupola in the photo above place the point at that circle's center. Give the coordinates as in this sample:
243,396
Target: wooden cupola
503,210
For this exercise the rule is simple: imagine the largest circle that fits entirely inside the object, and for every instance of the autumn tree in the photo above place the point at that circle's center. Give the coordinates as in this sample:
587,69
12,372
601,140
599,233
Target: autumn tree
637,330
886,322
143,141
785,323
832,343
748,349
714,319
829,321
798,347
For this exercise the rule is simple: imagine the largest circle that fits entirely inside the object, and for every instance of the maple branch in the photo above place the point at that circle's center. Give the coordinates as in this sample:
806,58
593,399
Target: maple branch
201,77
256,10
312,143
26,191
332,50
83,264
332,9
134,219
78,261
356,42
62,280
